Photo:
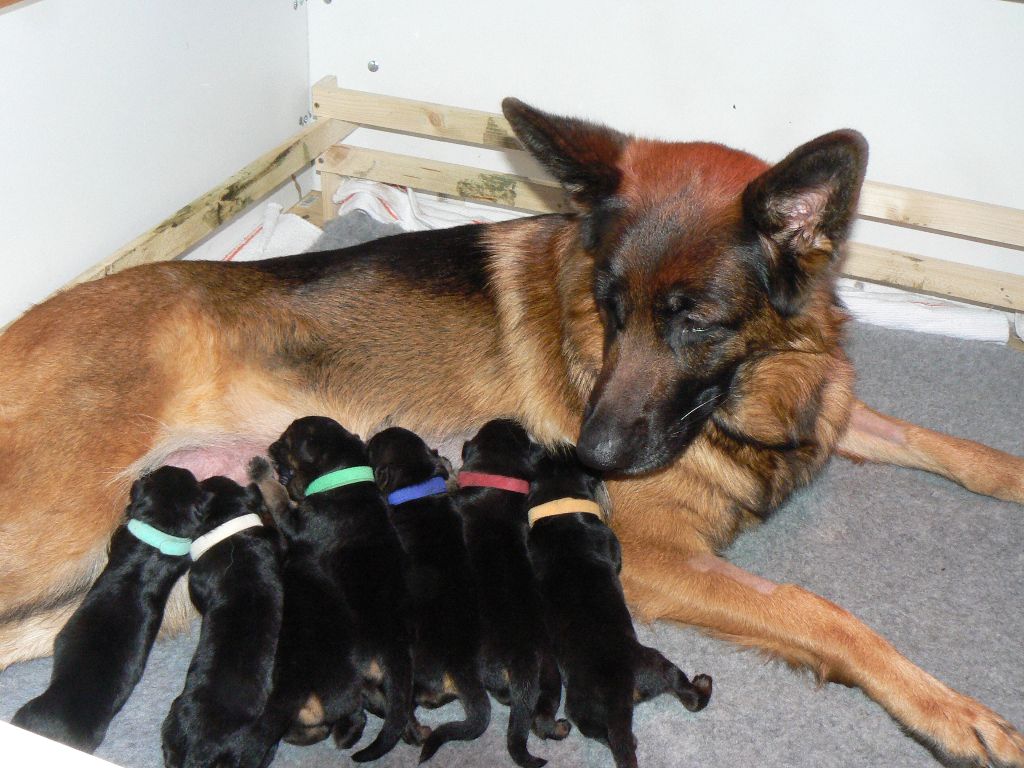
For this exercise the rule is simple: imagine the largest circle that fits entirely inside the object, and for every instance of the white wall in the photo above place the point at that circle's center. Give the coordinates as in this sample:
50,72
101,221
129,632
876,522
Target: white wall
114,114
937,86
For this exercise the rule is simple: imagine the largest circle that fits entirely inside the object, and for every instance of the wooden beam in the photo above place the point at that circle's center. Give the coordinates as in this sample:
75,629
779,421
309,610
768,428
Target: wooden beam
946,215
900,206
420,118
203,215
922,274
508,190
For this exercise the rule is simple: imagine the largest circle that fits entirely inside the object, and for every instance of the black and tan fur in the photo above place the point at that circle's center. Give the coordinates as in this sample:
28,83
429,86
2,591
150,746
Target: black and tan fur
517,660
101,652
443,600
683,321
577,560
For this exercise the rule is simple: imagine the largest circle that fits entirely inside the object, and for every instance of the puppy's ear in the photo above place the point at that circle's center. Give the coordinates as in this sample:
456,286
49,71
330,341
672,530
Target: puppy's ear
383,475
801,209
580,154
136,490
442,467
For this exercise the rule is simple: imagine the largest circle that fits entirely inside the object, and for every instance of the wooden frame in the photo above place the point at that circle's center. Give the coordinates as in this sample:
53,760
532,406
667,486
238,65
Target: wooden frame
339,111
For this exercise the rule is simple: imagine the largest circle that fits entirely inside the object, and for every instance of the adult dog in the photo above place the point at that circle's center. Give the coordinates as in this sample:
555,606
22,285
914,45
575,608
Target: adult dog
682,329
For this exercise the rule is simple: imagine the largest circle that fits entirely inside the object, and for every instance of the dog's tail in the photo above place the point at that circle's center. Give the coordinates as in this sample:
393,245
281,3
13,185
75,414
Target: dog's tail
478,714
524,691
621,740
398,693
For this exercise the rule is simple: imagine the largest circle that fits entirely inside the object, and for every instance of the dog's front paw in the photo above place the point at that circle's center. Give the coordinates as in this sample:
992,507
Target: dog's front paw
962,732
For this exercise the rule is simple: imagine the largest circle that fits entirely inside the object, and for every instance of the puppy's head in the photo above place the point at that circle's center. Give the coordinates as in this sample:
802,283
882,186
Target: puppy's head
313,446
558,473
705,259
225,500
502,446
400,458
170,499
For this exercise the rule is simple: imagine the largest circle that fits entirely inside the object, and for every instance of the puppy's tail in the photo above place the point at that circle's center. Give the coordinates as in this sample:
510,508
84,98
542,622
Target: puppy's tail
478,714
524,691
621,740
398,692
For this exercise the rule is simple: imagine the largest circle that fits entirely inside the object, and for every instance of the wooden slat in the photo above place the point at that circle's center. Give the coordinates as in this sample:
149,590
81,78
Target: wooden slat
900,206
203,215
953,216
511,191
922,274
420,118
863,262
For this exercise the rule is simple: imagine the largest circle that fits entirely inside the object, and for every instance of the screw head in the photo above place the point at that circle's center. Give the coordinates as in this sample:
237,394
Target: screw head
372,65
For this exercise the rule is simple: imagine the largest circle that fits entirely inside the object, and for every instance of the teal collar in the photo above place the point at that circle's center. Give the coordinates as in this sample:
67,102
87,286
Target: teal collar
340,477
167,544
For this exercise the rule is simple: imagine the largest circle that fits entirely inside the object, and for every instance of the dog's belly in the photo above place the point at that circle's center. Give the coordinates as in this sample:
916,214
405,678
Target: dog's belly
229,459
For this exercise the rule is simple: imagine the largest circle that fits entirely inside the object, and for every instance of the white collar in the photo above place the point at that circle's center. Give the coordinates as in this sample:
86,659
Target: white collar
223,531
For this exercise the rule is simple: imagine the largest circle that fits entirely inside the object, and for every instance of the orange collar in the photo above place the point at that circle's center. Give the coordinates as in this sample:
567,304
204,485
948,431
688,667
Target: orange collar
565,506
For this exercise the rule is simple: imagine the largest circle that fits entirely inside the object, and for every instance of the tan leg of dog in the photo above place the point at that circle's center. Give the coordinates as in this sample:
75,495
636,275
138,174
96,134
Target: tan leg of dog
873,436
804,629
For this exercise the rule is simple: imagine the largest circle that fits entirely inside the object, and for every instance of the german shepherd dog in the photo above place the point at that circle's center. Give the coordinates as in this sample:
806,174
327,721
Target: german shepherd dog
517,660
577,560
682,328
101,652
442,592
235,583
346,518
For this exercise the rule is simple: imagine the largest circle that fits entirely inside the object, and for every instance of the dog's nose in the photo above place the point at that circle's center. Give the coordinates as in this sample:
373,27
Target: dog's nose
601,447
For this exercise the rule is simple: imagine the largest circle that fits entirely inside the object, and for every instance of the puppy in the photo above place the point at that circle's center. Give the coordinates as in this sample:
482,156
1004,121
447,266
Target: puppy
316,687
517,660
325,469
101,652
235,583
577,560
444,601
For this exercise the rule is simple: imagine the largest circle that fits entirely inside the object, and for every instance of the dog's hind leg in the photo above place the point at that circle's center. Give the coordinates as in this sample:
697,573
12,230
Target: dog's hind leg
804,629
656,675
872,436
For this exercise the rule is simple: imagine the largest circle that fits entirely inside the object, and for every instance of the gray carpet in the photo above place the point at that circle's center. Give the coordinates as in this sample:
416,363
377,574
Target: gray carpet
938,570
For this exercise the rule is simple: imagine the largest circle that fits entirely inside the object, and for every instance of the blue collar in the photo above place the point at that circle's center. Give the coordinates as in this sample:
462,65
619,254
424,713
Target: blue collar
431,487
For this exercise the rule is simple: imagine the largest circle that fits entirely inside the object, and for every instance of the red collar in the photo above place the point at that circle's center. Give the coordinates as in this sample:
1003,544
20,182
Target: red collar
501,482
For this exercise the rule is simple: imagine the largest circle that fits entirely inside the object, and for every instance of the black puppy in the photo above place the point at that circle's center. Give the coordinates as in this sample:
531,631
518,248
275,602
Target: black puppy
444,600
518,663
577,560
235,583
325,469
316,687
101,652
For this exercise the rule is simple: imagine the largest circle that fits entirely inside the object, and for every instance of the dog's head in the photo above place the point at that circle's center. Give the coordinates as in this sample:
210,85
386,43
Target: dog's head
401,458
502,446
559,473
226,500
313,446
704,257
170,499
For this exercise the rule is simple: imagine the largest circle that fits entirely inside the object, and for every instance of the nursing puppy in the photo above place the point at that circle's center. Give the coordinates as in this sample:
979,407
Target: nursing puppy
577,560
317,690
235,583
101,652
517,660
446,651
366,561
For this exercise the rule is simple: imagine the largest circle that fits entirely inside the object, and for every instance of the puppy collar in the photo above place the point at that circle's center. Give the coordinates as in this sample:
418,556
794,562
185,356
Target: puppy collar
485,480
167,544
223,531
340,477
432,487
566,506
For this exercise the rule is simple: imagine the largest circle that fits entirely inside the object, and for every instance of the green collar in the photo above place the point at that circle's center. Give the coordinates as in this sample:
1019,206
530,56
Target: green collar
167,544
340,477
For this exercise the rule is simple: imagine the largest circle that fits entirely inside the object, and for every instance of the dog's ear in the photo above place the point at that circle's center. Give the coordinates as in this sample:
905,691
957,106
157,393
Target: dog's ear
382,474
580,154
802,209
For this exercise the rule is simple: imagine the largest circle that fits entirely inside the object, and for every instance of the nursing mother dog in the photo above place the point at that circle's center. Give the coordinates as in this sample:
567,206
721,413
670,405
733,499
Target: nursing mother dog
682,328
